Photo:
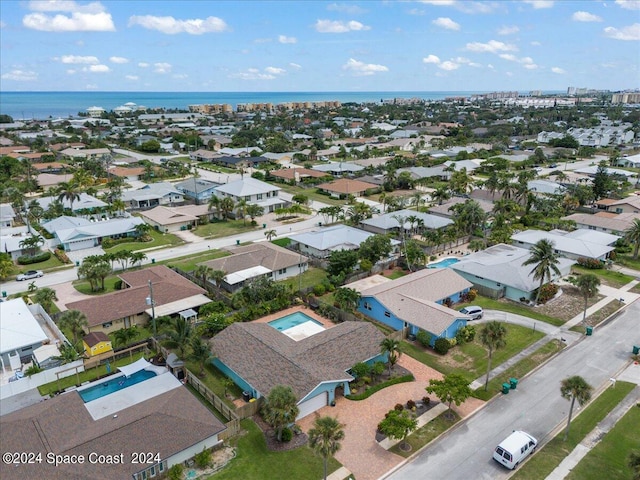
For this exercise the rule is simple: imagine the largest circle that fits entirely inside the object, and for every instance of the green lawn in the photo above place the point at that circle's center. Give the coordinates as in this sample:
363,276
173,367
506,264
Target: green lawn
83,286
427,433
313,276
86,376
512,307
48,265
628,261
213,379
189,262
607,277
471,359
519,370
311,193
224,229
396,274
255,462
611,455
550,456
282,242
159,240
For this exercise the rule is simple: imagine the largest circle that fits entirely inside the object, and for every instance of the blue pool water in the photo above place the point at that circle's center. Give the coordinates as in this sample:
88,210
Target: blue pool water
443,263
292,320
118,383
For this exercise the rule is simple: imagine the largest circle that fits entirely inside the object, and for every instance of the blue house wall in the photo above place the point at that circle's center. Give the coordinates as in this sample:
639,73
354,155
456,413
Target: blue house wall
237,379
330,388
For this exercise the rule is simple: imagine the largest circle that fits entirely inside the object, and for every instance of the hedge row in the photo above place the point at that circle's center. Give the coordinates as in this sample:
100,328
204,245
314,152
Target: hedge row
28,259
376,388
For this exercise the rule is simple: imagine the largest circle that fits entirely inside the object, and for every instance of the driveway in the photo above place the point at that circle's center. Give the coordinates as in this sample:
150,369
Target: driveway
360,453
66,293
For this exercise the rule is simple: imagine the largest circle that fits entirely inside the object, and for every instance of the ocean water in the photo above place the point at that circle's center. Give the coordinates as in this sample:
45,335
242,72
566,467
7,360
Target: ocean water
44,105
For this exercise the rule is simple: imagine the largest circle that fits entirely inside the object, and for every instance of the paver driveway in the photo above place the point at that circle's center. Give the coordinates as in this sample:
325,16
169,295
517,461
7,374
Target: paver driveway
360,452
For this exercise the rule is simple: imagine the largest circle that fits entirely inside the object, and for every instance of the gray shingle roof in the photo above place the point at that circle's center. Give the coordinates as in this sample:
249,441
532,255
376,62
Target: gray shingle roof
388,221
246,187
265,357
265,254
340,237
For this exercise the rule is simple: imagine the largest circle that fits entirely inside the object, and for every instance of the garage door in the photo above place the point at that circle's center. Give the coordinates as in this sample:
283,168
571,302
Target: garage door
309,406
82,244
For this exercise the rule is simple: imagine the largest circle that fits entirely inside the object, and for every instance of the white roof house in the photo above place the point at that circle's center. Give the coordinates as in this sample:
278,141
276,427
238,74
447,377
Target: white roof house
85,201
388,221
246,187
338,168
64,222
88,236
571,245
545,187
162,193
501,266
20,332
6,215
321,243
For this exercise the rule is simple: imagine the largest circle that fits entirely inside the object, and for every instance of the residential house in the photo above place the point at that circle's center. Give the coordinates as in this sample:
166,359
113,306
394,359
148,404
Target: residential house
608,222
252,191
159,416
258,260
166,219
337,169
344,187
320,243
20,334
86,204
629,204
85,153
82,233
96,343
202,155
47,181
498,271
445,210
571,245
389,222
198,189
172,294
239,152
545,187
11,241
629,161
297,174
418,301
7,215
127,173
316,367
152,195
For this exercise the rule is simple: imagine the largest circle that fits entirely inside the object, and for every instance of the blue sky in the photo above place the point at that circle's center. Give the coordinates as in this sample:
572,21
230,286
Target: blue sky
428,45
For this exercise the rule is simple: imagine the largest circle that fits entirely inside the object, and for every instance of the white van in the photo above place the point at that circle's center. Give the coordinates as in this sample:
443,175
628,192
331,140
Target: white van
514,449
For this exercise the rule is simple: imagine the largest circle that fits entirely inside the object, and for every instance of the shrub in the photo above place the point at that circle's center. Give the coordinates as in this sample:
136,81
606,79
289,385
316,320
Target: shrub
466,334
424,338
426,400
548,292
399,407
61,255
319,290
32,370
28,259
360,370
176,472
590,263
452,342
470,296
287,434
376,388
118,284
366,380
442,346
203,459
411,404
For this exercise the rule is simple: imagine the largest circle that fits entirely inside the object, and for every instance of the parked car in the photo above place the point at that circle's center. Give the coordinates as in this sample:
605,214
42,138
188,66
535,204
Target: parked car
29,274
514,449
473,311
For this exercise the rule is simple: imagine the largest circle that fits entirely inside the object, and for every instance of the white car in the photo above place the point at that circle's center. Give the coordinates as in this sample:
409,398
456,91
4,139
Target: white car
29,274
473,311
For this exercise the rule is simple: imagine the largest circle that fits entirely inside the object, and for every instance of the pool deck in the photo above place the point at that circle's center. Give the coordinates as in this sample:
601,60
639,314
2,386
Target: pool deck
113,403
307,311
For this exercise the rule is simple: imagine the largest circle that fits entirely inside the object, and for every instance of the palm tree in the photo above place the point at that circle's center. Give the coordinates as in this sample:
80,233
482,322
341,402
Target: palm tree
218,277
137,257
124,336
574,388
203,272
68,191
180,334
45,297
200,352
226,206
325,438
75,321
68,353
241,209
254,210
31,244
493,336
281,408
142,229
588,285
270,234
441,194
214,203
391,347
632,234
546,261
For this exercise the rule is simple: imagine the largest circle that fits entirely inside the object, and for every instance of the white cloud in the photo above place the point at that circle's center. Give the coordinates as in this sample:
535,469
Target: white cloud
253,74
64,6
91,60
77,22
295,65
71,71
132,77
508,56
285,39
536,43
464,6
118,60
493,46
96,69
345,8
629,4
431,59
449,65
585,17
508,30
416,11
538,4
338,26
275,70
143,65
438,2
172,26
20,76
162,67
632,32
359,69
526,62
447,23
558,70
91,86
180,76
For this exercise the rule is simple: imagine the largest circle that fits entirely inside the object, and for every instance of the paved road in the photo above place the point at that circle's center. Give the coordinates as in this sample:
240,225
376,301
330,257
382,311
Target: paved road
535,406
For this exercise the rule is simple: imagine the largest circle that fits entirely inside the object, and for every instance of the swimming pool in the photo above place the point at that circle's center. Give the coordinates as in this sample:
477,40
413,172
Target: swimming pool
446,262
292,320
115,384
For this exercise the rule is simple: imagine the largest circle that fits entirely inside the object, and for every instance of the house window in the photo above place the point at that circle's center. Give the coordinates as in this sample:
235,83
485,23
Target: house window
161,467
26,349
259,196
282,271
387,314
367,306
152,471
247,198
106,325
618,210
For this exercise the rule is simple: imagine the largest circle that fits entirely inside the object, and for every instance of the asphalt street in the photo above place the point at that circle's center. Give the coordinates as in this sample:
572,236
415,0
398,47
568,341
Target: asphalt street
535,406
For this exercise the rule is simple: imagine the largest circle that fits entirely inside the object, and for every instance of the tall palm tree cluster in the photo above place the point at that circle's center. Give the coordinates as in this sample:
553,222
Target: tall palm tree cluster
96,268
